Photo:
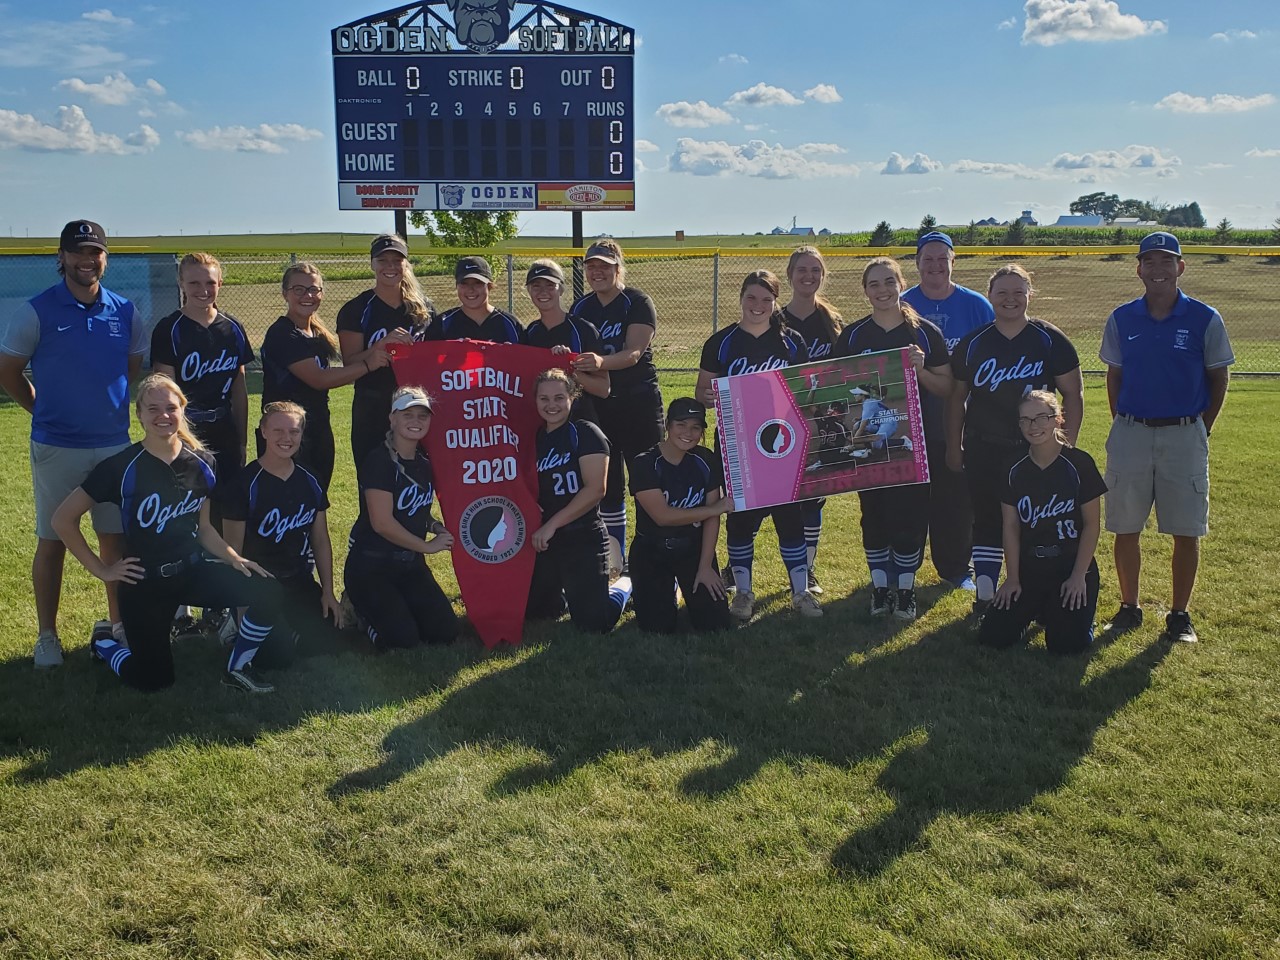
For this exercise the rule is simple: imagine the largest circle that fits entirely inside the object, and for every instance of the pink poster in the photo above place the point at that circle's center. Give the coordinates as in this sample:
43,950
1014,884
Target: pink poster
821,428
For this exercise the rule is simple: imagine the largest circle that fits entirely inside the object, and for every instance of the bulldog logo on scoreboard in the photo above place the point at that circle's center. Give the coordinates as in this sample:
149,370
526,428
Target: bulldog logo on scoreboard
775,439
451,194
492,530
482,25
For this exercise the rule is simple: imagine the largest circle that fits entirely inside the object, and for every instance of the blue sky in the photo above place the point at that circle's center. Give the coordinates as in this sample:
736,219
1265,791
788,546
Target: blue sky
215,118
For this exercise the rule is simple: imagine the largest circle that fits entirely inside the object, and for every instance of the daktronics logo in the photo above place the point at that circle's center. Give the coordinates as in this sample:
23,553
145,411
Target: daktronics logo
585,193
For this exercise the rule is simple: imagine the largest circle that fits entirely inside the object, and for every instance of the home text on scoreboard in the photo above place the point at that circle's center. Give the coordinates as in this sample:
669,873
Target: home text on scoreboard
484,105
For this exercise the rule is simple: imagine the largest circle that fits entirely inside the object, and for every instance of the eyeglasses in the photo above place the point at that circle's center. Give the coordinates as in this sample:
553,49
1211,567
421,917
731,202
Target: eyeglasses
298,290
1041,420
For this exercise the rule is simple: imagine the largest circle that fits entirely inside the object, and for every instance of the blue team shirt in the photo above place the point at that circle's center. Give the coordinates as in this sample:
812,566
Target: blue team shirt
1163,362
79,364
961,313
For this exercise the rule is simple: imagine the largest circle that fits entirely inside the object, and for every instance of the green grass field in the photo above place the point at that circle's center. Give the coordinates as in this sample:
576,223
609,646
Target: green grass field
834,788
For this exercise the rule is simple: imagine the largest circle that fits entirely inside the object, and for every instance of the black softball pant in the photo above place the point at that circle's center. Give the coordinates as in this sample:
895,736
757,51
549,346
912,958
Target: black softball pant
221,438
299,623
1065,631
895,518
656,566
399,600
369,424
147,609
986,470
574,569
632,422
950,518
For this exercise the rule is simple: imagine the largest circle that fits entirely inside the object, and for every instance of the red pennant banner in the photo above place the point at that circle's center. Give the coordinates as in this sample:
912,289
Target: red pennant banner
482,443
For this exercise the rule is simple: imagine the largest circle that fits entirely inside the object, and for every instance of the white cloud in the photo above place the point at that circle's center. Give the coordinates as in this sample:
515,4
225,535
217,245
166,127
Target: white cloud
763,95
106,16
1220,166
1219,103
1051,22
1255,153
264,138
919,163
682,113
996,169
734,58
72,133
1166,172
155,87
824,93
646,146
820,148
1007,24
1134,156
1227,36
755,158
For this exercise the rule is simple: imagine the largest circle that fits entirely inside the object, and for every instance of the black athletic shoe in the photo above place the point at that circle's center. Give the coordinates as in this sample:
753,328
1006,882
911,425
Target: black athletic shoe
1178,628
905,607
1126,619
245,679
881,601
814,586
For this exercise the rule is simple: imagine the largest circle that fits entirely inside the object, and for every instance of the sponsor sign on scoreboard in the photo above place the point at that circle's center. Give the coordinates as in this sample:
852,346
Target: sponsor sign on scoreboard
484,105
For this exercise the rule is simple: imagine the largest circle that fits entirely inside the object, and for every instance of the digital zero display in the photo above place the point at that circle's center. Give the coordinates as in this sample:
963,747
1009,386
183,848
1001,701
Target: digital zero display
468,105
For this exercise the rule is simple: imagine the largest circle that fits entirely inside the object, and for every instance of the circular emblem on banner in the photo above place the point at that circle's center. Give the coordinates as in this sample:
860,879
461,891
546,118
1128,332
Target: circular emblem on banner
775,439
492,530
584,193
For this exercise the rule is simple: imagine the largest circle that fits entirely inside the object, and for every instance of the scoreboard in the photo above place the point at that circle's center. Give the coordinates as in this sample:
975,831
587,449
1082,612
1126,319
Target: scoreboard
540,120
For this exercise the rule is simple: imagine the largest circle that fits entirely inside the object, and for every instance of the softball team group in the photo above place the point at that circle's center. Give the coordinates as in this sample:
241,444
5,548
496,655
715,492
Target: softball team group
1003,404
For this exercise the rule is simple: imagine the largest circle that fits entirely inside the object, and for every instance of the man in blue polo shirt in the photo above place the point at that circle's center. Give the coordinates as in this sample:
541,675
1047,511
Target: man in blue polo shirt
84,344
956,310
1167,359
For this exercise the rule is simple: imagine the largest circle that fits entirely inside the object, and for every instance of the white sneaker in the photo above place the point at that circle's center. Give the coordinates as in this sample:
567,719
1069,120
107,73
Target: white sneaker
48,653
806,604
743,605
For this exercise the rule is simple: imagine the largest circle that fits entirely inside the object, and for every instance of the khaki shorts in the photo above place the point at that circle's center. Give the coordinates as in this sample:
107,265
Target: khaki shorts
55,472
1164,466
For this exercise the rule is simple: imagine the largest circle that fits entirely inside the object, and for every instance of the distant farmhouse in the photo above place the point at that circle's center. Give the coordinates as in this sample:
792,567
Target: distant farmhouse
1097,220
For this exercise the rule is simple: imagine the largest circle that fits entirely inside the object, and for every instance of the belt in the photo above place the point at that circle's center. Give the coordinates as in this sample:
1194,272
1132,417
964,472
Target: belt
173,568
1045,553
670,543
1160,421
400,556
205,416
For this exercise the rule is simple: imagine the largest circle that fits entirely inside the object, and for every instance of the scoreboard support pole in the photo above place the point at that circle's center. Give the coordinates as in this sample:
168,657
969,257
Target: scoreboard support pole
577,260
402,223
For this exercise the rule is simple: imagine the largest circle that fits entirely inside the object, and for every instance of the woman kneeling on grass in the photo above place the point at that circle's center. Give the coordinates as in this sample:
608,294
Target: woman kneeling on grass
572,565
676,485
388,580
162,485
275,516
1050,504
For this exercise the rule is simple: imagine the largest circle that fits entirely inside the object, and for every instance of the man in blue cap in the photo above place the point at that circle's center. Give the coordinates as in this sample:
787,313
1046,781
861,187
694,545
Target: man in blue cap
84,344
956,310
1167,359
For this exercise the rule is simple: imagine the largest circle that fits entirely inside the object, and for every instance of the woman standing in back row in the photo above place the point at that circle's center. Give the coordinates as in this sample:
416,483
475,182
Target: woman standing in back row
395,310
815,318
631,416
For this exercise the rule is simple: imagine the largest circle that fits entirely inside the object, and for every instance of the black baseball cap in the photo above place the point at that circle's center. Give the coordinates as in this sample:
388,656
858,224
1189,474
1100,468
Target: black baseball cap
601,251
686,408
388,241
80,233
469,267
548,269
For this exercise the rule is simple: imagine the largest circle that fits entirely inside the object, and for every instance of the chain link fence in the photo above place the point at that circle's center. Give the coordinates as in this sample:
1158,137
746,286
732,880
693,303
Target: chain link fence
696,290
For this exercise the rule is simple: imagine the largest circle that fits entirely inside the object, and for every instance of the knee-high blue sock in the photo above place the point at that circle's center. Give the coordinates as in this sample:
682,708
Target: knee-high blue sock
795,558
878,562
905,566
615,524
812,531
111,652
741,557
248,641
986,569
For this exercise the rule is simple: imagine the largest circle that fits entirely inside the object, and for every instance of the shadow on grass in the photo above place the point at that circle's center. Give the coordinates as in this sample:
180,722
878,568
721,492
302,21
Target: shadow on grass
959,729
80,715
